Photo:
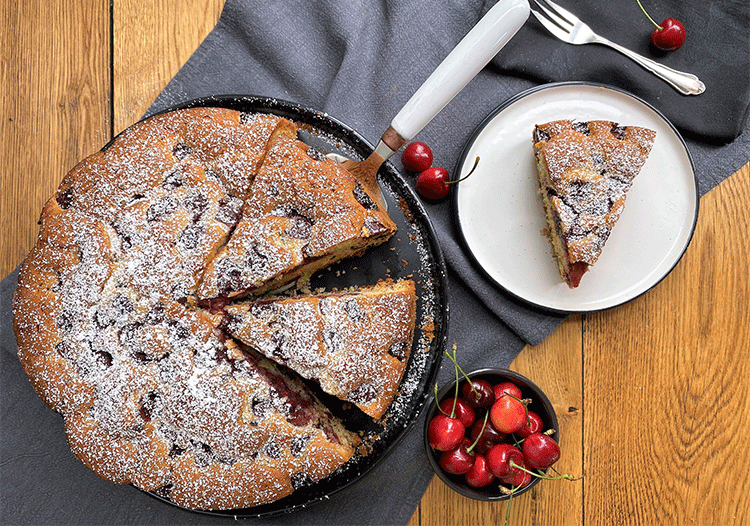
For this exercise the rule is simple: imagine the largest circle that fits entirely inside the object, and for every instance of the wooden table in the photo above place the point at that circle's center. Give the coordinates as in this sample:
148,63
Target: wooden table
652,396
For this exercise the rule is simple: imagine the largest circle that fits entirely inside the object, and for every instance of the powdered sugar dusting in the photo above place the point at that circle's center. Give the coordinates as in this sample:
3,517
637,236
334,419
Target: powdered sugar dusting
355,343
585,170
109,333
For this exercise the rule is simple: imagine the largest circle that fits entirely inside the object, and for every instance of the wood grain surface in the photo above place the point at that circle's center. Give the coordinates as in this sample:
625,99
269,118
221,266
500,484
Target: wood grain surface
652,396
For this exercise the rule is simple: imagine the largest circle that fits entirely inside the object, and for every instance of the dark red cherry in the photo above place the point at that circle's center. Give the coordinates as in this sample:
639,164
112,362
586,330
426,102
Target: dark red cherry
462,410
499,459
489,435
540,450
445,433
432,183
517,477
670,36
458,460
416,157
479,476
481,395
533,424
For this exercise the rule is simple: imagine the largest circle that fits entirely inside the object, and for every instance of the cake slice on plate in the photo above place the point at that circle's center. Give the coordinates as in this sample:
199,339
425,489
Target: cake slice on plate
585,170
355,343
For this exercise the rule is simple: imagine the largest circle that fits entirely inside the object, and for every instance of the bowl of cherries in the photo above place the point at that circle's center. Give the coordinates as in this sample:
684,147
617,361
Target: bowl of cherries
491,434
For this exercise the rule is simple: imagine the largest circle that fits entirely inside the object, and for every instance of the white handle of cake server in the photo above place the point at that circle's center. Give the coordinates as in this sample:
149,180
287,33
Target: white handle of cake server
461,65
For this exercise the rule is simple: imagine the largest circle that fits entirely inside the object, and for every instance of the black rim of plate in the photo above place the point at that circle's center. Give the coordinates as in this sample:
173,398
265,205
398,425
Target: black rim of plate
334,135
478,130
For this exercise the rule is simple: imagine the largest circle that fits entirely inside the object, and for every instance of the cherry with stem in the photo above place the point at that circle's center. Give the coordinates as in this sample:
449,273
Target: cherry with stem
669,35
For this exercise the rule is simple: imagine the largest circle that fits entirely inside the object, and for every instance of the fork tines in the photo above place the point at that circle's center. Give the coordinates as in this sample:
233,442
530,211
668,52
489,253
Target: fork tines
563,19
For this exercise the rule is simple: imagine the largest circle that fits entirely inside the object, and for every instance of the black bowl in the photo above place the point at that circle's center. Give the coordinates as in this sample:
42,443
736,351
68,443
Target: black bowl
540,404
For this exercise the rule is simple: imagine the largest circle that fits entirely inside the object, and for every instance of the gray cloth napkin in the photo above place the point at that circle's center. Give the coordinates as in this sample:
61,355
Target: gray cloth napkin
358,62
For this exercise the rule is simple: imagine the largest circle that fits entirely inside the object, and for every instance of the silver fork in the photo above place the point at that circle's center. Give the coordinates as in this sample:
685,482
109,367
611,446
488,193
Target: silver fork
567,27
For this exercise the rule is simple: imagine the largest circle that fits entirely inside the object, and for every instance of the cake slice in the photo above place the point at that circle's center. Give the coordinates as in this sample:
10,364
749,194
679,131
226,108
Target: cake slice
585,170
304,212
355,343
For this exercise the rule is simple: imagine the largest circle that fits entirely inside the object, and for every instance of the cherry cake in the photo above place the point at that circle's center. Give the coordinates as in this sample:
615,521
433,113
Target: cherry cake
355,343
118,310
585,170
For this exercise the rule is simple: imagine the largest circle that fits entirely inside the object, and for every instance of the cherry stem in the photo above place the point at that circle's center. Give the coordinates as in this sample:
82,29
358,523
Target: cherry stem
458,368
476,440
476,162
542,476
649,17
455,394
507,511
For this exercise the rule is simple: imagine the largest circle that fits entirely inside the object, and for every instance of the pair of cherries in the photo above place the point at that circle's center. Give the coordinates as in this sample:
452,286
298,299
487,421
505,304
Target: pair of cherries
433,182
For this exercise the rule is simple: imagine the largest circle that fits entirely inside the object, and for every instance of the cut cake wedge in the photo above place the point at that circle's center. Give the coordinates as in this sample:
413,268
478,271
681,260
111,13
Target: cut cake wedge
355,343
585,170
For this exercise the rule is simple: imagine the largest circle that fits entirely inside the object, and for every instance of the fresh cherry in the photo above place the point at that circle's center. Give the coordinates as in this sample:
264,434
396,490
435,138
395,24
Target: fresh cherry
458,460
540,450
445,433
517,477
508,414
669,36
462,410
416,157
533,424
479,476
507,388
434,183
478,393
499,459
487,434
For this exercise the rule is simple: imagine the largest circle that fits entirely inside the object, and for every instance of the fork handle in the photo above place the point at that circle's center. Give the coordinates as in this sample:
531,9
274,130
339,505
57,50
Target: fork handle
685,83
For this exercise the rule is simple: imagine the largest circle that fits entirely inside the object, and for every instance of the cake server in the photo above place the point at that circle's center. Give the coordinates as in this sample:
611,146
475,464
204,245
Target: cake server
461,65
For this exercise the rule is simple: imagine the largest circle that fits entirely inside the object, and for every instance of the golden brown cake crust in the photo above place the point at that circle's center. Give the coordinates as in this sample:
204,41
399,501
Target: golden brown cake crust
304,213
355,343
585,170
110,332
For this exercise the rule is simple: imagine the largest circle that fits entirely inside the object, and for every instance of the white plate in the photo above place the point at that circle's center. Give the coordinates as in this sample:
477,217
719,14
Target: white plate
500,213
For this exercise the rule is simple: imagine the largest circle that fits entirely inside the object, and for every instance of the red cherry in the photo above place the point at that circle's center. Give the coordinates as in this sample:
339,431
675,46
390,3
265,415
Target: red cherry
445,433
516,478
416,157
457,461
533,424
507,387
434,183
463,411
478,476
431,183
499,457
540,450
670,36
508,414
481,395
489,435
